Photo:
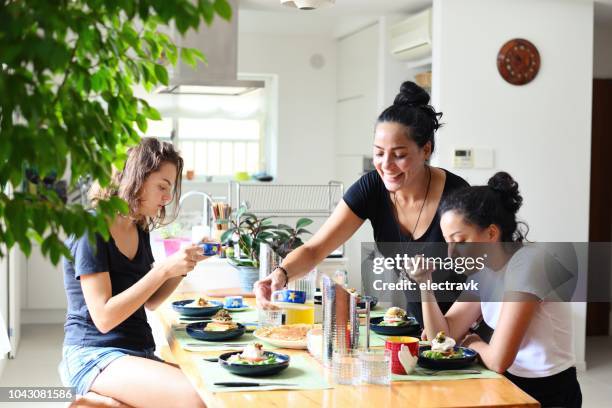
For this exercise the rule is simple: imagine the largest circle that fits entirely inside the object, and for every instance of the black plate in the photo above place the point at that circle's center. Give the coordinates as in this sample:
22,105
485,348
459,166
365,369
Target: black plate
196,330
179,307
450,364
410,329
254,370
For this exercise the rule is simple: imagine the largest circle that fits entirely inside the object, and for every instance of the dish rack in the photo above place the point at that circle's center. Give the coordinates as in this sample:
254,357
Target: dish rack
316,201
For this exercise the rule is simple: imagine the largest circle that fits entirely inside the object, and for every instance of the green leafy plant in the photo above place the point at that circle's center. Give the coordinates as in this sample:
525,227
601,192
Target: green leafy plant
251,231
288,238
67,73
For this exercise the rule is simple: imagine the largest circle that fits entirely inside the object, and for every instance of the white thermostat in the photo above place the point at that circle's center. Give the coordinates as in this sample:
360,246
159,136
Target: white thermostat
463,159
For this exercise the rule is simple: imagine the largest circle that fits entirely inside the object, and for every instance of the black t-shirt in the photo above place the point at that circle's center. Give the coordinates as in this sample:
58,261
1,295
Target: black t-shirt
369,199
134,333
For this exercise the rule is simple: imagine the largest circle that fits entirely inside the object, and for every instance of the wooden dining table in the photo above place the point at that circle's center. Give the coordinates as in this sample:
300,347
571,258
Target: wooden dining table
492,392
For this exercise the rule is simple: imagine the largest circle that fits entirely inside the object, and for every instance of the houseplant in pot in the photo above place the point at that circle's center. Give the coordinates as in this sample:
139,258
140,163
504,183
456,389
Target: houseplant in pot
249,232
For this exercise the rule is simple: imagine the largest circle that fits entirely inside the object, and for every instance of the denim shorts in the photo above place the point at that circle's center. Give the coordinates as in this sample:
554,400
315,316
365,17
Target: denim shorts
81,365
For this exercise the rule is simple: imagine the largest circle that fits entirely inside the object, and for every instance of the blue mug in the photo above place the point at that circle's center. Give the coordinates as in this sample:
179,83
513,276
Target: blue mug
233,302
211,248
289,296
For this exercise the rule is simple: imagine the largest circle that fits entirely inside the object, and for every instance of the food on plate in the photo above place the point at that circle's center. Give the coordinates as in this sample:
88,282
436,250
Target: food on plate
442,348
253,354
221,321
394,316
291,332
199,302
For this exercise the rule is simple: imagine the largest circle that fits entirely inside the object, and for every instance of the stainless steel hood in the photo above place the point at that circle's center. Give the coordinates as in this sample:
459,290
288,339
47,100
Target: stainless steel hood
219,43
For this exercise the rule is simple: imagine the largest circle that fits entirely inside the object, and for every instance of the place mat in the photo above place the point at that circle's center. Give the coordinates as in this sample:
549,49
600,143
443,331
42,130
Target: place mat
419,375
305,373
184,339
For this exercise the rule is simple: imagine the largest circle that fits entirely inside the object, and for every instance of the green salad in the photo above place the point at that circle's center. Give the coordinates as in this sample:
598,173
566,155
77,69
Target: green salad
438,355
271,359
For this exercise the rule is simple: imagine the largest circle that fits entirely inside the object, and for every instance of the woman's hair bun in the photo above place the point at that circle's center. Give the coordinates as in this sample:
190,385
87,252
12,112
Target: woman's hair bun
411,94
504,184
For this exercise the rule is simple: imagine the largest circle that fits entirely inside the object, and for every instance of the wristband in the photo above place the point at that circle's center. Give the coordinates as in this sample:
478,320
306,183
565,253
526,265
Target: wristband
284,272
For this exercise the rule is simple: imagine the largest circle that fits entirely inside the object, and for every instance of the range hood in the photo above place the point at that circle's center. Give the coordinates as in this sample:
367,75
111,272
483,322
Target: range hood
219,43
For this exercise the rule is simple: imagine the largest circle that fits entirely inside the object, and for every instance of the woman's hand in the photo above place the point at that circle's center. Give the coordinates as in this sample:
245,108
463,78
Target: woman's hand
471,339
264,288
420,274
182,262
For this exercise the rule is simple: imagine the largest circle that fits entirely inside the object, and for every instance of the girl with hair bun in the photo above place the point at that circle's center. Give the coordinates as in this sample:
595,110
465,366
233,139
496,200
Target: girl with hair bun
532,337
400,197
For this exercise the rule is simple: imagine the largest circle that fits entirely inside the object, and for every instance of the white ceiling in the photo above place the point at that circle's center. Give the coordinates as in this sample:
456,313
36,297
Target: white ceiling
269,16
343,7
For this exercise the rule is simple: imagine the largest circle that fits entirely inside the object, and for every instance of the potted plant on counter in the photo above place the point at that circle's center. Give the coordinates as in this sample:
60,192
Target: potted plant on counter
287,238
250,232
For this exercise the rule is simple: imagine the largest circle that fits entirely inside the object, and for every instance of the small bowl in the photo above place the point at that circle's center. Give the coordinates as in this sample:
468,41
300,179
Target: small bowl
449,364
179,307
254,370
412,328
196,330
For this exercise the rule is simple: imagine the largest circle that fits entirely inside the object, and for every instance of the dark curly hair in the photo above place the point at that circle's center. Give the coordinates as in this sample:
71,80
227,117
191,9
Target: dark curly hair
496,203
411,108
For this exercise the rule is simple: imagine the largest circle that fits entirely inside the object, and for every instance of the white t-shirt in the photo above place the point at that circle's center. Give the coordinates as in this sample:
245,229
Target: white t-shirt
546,348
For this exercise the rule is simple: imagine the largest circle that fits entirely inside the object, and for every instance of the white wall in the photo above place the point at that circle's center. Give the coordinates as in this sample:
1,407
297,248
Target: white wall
540,132
602,50
306,105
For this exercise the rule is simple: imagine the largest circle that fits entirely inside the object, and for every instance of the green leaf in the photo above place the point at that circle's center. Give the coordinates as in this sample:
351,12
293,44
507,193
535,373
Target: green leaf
223,8
225,237
303,222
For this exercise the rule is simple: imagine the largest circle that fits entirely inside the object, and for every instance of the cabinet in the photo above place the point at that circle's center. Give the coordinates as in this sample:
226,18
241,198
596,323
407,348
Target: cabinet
357,91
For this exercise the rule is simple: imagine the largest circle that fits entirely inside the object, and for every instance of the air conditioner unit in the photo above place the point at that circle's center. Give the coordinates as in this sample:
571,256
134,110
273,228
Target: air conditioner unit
410,40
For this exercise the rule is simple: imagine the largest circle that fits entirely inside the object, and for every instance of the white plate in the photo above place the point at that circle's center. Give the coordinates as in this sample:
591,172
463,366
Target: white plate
288,344
238,309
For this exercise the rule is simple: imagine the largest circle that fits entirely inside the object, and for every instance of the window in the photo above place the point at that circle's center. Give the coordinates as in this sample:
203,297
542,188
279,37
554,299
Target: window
220,147
217,135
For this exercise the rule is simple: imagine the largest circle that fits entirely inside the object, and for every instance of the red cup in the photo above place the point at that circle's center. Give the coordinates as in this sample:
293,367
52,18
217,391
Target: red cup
394,344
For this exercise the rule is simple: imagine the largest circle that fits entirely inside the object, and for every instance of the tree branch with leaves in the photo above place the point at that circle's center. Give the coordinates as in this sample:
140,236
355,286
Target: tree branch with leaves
67,74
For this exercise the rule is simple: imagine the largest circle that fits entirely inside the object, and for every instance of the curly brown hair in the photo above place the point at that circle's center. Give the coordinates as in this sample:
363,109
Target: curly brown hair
143,159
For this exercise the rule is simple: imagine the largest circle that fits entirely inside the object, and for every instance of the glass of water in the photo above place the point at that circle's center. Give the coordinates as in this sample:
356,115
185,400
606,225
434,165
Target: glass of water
375,366
345,367
267,318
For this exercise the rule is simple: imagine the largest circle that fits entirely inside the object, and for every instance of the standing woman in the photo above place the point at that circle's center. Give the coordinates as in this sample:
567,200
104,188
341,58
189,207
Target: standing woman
400,197
532,336
108,345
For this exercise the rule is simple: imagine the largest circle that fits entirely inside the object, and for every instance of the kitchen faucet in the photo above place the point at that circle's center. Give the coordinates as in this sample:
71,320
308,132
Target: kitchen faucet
206,207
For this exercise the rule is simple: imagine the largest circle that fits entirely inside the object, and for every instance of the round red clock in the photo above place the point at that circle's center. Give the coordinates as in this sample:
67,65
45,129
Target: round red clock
518,61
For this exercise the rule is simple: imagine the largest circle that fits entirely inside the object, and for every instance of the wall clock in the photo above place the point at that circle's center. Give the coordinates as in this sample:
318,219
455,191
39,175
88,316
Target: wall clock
518,61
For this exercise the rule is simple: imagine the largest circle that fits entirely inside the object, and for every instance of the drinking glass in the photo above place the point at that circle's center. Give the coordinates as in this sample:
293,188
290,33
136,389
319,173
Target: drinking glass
306,284
375,366
267,318
345,367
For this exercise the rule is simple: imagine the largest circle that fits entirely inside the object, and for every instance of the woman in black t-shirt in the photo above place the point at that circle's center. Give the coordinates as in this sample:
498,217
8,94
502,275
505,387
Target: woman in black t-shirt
400,198
108,346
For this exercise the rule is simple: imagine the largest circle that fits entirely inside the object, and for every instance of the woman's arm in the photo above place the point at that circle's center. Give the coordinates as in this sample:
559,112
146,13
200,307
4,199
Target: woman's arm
336,230
163,292
455,323
108,311
514,320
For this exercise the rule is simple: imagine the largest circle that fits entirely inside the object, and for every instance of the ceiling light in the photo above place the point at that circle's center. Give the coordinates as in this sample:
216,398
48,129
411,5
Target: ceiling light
307,4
